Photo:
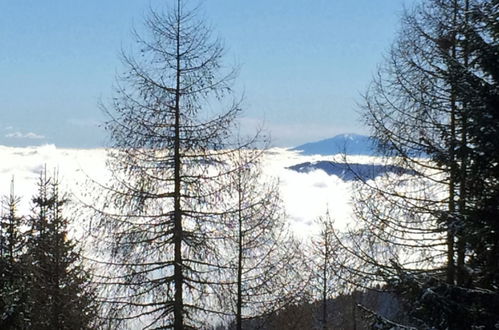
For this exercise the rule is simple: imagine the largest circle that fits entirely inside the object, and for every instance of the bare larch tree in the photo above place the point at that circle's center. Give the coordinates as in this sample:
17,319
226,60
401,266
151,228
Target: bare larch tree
159,218
265,269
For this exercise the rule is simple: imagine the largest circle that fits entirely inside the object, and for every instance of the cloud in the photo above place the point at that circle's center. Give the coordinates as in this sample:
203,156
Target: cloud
305,196
84,122
20,135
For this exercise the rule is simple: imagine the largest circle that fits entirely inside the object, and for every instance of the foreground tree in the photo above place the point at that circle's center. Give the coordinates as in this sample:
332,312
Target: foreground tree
479,90
60,295
436,97
169,162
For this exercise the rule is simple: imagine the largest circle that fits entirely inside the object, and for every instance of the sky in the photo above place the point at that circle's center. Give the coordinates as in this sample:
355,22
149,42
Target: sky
303,64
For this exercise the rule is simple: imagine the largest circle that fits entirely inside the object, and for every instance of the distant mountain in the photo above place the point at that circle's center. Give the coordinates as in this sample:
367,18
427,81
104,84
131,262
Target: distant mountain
351,144
351,172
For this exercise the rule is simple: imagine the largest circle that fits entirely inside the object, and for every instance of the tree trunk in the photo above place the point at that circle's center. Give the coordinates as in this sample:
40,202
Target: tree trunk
240,261
178,305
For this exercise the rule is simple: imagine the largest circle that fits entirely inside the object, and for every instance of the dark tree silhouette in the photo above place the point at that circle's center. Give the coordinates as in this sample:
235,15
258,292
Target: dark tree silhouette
170,160
426,106
12,279
60,293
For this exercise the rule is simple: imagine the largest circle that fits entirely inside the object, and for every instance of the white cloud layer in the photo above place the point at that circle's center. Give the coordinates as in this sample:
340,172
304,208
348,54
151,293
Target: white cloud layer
306,196
20,135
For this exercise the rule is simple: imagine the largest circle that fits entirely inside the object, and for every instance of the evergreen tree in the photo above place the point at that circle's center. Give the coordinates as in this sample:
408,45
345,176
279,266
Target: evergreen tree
60,293
12,277
433,237
479,89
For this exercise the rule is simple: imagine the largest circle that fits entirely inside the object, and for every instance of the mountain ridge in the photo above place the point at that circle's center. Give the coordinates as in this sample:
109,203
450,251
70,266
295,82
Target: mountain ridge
350,144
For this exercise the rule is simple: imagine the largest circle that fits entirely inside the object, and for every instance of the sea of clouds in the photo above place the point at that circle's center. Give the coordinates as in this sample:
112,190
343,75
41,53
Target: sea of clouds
306,196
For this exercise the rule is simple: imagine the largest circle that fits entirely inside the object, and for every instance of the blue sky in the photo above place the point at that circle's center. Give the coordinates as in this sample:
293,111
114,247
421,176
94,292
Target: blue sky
303,63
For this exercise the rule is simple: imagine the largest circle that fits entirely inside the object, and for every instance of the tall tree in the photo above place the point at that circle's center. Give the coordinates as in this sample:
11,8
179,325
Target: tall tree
479,90
412,110
12,279
433,98
168,160
60,294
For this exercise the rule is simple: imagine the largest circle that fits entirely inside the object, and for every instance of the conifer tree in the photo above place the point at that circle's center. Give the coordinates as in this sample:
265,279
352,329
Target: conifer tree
266,272
324,250
12,277
170,125
436,97
60,294
479,90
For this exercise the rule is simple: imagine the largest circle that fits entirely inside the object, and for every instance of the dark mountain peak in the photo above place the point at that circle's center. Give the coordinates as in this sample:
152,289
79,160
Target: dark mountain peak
351,172
351,144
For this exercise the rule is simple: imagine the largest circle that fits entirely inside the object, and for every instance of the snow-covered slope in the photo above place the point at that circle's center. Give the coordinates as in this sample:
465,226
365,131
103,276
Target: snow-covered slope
351,144
306,194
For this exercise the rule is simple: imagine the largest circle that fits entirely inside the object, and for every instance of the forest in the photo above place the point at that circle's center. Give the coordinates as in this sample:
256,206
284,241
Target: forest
188,233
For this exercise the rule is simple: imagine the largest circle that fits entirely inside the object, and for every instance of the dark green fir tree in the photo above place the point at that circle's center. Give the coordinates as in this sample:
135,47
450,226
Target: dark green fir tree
12,284
60,292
